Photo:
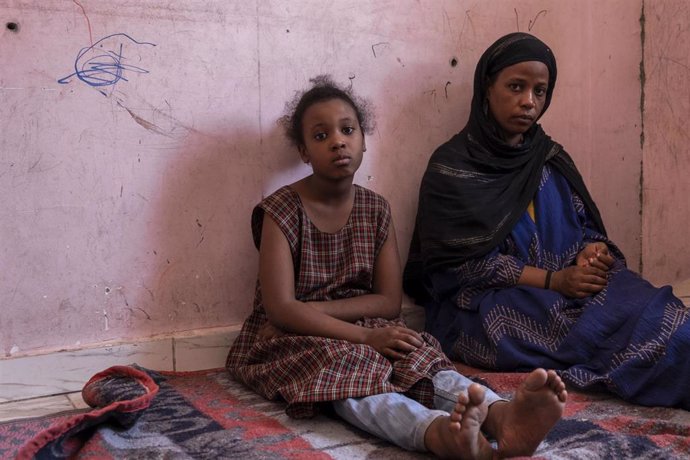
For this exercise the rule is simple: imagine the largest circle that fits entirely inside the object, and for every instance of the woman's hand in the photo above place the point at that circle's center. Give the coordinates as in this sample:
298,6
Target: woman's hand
595,255
579,282
268,331
393,342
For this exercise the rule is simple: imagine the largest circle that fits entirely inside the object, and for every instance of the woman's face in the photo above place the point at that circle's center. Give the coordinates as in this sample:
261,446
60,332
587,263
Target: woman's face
516,98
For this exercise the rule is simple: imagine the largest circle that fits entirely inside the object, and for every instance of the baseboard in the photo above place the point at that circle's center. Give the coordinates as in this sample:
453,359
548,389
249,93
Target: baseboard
67,371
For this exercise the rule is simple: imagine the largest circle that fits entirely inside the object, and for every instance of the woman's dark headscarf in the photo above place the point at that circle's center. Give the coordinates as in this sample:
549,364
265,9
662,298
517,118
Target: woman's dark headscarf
477,186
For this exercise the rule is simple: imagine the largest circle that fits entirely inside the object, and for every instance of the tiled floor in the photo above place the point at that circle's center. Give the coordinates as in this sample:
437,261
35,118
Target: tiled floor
24,380
38,407
64,372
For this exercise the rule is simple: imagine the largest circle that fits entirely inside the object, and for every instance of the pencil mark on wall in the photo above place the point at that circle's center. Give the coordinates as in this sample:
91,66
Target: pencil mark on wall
88,23
673,61
40,157
103,63
432,93
375,45
532,22
201,232
131,310
445,88
153,297
466,19
351,78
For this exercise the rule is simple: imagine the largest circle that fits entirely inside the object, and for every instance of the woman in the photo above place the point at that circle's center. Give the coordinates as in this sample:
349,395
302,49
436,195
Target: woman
510,256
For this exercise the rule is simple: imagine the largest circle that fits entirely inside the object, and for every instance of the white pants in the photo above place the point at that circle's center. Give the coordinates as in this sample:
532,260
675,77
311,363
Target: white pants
401,420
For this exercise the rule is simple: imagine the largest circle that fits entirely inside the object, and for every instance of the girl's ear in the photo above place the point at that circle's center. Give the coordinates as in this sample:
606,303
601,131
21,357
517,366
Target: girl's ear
303,154
364,143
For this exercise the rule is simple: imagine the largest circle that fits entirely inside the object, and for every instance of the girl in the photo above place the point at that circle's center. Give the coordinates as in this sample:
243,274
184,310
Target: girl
325,327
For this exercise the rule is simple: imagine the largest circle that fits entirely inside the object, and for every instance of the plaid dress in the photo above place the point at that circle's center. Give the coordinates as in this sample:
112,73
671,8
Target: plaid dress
307,370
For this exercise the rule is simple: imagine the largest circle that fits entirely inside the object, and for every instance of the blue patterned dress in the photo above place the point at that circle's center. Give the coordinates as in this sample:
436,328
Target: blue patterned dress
631,338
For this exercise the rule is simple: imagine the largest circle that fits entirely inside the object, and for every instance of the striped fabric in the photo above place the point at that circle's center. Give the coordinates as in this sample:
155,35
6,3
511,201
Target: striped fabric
306,371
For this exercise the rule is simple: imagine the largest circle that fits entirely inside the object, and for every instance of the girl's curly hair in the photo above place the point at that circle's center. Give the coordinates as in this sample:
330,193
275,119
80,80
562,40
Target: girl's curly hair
323,89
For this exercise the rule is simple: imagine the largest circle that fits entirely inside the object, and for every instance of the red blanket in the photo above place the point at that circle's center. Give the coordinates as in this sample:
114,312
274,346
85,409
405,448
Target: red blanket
143,414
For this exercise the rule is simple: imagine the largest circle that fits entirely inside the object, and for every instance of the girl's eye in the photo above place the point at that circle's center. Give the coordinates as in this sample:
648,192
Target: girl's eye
320,136
348,130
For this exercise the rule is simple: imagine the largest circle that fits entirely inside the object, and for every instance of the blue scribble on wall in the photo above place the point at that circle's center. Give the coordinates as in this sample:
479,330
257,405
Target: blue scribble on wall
102,64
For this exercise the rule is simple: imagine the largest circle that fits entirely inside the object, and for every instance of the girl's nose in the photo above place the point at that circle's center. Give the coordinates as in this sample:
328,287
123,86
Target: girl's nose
337,144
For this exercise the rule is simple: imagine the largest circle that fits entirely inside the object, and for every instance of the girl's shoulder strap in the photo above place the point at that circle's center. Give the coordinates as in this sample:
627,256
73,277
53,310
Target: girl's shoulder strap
373,208
283,206
370,196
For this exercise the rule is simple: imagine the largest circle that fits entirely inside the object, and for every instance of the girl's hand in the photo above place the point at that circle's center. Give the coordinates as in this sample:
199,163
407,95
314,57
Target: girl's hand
393,342
268,331
595,255
579,282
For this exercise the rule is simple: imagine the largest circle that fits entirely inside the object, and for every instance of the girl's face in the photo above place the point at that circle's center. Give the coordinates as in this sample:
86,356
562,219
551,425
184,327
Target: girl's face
333,139
516,98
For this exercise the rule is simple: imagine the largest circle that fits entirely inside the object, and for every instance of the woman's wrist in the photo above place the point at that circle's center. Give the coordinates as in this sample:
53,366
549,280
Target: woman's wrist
547,279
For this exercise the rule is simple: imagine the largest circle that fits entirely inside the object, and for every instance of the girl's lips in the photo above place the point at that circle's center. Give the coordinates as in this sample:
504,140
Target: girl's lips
342,161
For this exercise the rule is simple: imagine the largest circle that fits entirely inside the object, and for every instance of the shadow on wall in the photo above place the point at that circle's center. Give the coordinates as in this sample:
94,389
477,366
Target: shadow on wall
202,263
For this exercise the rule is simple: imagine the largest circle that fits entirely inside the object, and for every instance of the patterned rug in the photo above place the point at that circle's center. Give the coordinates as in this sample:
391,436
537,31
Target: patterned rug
142,414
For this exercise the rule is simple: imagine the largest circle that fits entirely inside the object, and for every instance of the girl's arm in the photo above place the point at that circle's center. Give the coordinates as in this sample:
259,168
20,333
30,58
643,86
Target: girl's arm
386,300
276,275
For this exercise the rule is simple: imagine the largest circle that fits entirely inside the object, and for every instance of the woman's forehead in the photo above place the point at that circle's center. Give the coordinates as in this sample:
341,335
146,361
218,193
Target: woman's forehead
526,69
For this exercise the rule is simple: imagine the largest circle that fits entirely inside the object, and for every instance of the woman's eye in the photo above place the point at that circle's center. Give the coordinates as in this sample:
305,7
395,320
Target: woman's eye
348,130
514,86
540,91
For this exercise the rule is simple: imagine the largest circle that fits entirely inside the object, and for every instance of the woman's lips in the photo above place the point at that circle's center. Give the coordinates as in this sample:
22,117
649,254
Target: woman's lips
524,119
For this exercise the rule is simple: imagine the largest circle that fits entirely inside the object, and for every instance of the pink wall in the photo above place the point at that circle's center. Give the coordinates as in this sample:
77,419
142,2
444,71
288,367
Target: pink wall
666,153
126,212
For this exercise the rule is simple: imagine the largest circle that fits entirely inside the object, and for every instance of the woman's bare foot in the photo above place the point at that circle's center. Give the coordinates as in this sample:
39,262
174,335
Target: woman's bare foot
458,436
520,425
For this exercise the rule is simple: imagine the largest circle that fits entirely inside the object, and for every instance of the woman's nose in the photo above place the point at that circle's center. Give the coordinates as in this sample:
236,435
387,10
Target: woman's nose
528,100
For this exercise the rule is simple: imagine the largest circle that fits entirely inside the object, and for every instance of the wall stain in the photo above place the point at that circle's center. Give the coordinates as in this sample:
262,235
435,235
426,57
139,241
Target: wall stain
145,123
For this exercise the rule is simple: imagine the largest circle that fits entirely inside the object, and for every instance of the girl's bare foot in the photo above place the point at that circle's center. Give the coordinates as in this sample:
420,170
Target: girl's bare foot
458,436
520,425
